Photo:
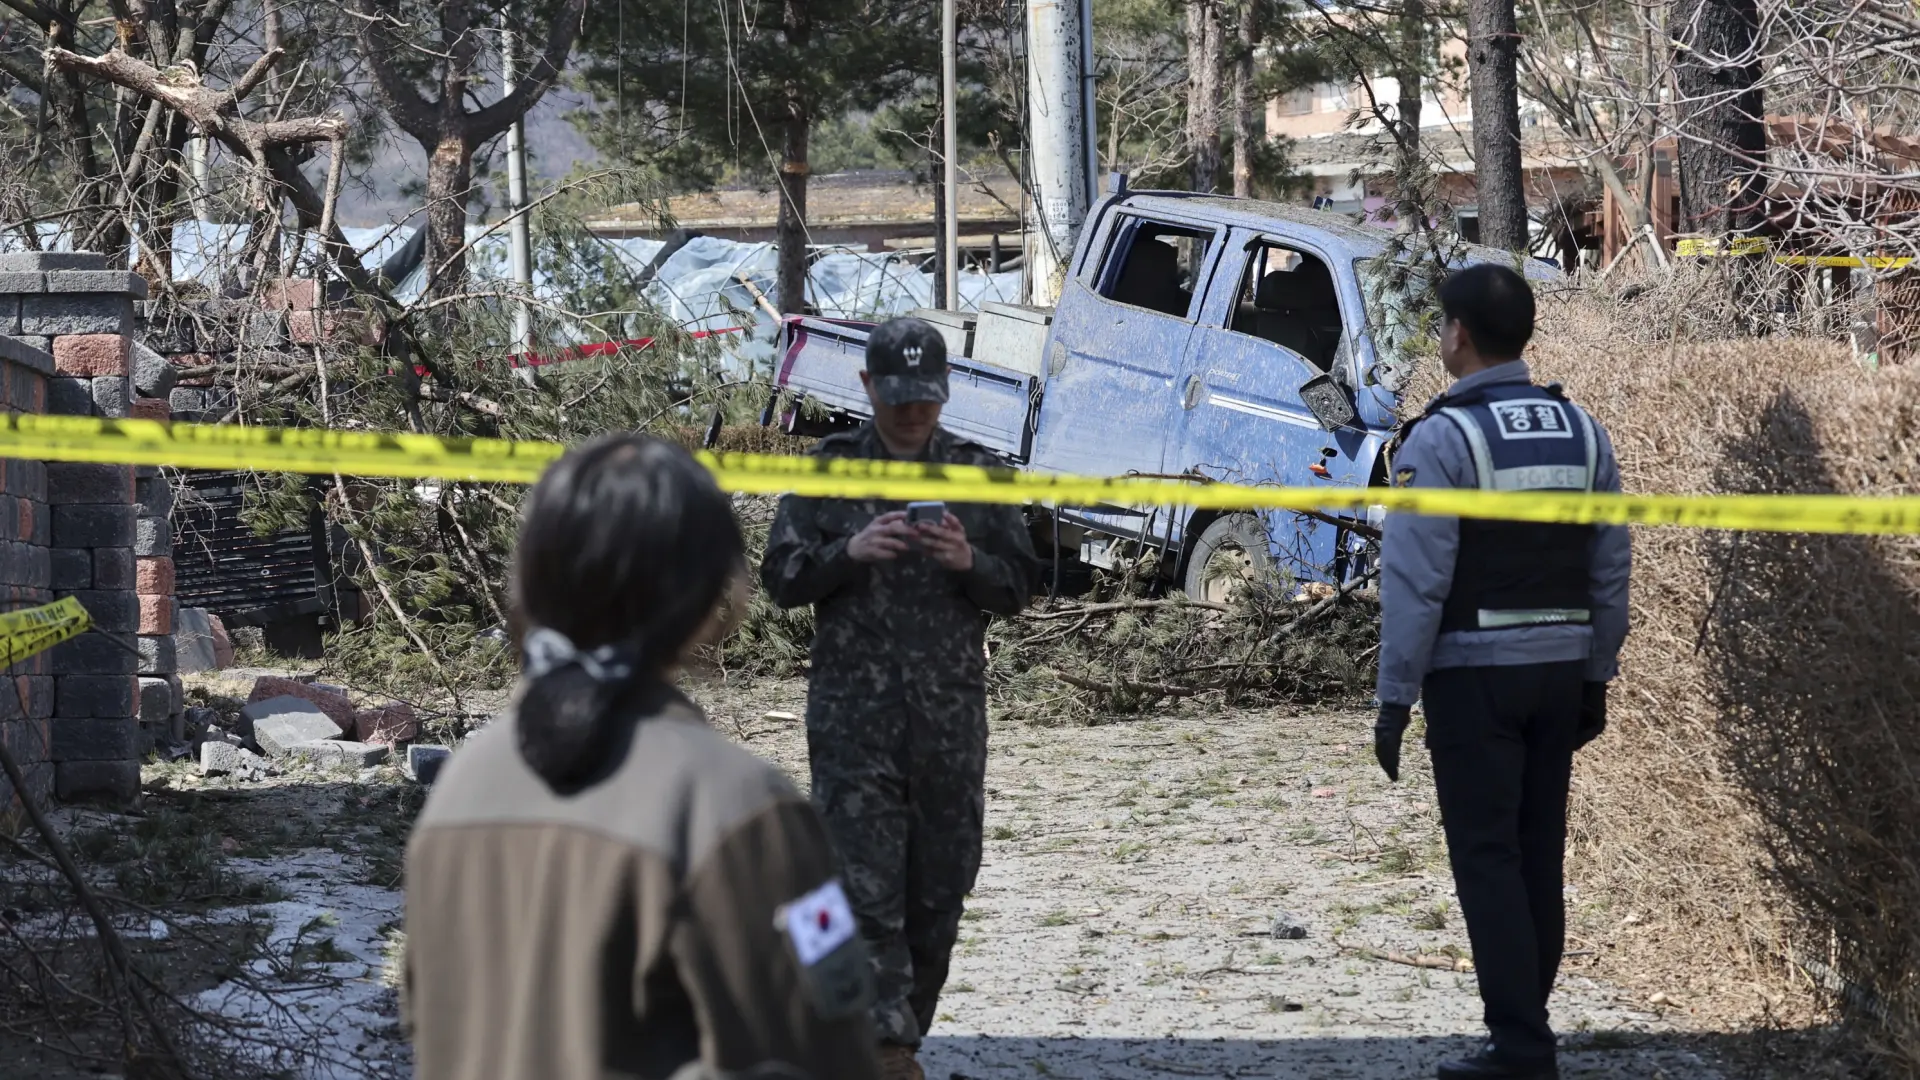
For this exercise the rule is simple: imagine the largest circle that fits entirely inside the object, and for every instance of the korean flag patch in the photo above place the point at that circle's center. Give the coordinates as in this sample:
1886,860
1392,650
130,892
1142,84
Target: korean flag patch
824,938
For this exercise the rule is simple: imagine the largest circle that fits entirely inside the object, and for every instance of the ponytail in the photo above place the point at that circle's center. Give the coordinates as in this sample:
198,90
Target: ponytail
564,715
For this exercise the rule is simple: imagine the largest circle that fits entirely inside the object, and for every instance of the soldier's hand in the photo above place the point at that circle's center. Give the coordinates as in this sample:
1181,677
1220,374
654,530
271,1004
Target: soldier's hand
1593,714
885,537
1387,731
946,543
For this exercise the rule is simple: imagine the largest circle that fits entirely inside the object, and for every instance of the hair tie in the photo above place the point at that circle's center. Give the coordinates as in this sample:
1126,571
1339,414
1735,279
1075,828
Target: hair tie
548,650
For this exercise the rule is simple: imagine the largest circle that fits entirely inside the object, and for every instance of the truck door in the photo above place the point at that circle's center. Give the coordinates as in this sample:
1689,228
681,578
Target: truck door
1114,355
1288,318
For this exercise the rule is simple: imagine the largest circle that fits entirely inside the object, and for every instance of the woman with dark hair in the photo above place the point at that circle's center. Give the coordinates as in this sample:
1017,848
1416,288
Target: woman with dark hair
601,885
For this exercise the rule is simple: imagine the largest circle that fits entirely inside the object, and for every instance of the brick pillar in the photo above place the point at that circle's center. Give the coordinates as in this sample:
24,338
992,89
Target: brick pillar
70,306
26,572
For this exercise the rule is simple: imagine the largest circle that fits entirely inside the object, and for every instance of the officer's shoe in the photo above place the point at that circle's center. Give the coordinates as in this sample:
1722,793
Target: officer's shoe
899,1063
1490,1065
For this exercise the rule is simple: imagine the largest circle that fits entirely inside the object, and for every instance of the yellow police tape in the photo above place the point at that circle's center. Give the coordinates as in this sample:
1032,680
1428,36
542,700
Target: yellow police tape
356,453
37,629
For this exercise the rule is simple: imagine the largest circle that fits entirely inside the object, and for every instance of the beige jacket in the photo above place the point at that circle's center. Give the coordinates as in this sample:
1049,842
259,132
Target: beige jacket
678,919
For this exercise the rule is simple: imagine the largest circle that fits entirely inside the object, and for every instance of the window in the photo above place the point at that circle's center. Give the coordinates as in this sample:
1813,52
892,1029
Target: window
1158,266
1288,297
1297,102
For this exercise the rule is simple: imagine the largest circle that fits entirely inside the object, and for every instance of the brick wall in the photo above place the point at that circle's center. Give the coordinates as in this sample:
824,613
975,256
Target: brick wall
68,322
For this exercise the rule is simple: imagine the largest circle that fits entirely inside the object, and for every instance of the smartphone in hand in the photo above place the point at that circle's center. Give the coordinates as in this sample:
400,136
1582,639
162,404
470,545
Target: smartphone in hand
926,513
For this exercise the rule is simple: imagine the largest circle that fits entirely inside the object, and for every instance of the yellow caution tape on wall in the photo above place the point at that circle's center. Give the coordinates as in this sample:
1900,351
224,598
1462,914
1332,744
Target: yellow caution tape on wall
190,446
37,629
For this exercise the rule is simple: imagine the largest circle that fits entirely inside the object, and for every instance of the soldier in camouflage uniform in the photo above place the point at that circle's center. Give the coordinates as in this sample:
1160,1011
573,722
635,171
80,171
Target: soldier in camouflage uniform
896,706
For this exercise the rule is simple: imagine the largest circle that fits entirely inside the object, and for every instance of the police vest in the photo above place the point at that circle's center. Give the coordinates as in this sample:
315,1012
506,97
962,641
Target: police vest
1513,574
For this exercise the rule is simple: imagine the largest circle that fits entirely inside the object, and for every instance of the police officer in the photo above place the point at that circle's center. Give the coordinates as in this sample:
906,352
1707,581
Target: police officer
1509,631
896,702
602,885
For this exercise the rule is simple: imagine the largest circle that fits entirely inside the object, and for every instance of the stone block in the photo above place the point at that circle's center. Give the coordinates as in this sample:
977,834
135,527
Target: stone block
391,724
279,723
29,741
153,374
36,522
329,700
225,759
114,611
90,355
26,479
39,780
41,261
94,526
96,781
338,754
154,577
114,568
37,342
158,653
291,294
424,762
10,516
97,281
70,483
69,396
27,564
222,644
156,700
103,739
152,537
22,281
95,653
154,494
27,388
171,334
111,397
269,329
146,408
193,641
35,690
339,327
57,314
186,402
83,697
156,615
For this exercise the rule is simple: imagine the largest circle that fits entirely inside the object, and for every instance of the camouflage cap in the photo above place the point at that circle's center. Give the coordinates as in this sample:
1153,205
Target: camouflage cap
907,359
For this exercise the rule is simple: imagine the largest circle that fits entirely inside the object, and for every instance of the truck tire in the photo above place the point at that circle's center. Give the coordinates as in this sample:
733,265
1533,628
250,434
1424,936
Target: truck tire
1231,551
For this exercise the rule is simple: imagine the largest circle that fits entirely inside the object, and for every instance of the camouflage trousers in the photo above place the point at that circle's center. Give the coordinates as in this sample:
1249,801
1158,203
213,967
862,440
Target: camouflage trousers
900,779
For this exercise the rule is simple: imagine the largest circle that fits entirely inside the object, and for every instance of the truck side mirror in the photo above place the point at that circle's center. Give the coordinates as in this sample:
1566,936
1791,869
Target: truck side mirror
1329,403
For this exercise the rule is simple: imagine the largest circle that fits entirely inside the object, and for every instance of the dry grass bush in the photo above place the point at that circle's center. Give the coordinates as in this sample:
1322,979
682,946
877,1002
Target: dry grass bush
1747,835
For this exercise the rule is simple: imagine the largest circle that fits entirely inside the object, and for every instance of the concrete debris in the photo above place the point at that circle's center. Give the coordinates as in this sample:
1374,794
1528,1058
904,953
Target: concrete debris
170,750
393,724
222,759
280,723
328,699
1288,927
424,762
338,753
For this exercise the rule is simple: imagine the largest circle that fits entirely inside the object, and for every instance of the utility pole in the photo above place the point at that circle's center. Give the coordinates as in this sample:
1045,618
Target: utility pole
519,234
1057,140
950,150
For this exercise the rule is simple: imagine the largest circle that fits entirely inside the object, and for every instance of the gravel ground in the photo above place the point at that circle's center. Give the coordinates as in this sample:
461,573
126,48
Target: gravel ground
1121,927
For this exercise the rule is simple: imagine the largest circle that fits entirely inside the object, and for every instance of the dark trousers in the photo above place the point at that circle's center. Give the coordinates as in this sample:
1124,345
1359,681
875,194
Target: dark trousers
1502,745
899,778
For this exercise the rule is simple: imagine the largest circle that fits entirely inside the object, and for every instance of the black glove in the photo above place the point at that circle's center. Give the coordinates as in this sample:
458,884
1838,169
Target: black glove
1387,730
1593,714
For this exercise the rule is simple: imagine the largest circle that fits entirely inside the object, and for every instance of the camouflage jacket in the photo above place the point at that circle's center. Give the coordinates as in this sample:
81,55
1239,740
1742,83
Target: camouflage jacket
908,608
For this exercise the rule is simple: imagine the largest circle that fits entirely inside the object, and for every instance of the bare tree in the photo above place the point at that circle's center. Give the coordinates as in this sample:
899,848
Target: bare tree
1493,45
1245,119
1721,114
1206,57
403,57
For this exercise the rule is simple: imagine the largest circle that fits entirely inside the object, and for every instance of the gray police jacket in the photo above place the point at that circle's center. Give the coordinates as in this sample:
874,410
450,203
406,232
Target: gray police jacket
1419,558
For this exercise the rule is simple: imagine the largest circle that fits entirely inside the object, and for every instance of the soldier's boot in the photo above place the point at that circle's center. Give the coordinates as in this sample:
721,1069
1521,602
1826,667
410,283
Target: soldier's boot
899,1063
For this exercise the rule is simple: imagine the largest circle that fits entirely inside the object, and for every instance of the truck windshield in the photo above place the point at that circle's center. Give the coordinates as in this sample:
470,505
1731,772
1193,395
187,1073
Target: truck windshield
1403,316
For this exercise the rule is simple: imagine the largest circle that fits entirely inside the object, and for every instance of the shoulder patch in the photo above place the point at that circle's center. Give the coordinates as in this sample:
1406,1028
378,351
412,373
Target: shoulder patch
824,938
1403,477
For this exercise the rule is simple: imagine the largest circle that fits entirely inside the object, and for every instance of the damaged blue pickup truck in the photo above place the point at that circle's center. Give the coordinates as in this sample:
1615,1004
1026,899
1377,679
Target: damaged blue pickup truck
1196,337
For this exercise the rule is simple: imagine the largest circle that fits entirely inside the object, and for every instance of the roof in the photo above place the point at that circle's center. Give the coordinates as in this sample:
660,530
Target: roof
833,200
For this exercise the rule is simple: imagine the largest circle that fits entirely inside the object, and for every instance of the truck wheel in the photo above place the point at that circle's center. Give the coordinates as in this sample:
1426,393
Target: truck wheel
1231,552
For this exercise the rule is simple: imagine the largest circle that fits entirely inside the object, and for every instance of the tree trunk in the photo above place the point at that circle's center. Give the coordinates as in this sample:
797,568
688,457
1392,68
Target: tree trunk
1411,73
1493,57
790,231
1721,115
1204,61
449,184
1247,123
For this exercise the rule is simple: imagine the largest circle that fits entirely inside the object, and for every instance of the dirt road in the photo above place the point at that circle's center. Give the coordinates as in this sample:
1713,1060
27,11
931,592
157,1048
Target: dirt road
1133,873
